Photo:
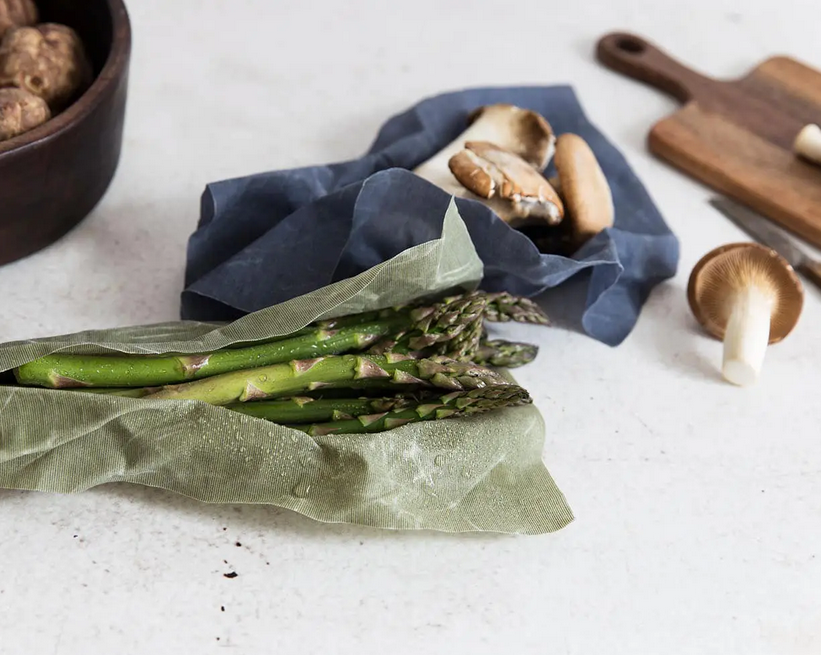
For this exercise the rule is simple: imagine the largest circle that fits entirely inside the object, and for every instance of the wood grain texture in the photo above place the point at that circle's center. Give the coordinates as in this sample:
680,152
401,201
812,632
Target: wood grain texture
735,136
811,269
54,175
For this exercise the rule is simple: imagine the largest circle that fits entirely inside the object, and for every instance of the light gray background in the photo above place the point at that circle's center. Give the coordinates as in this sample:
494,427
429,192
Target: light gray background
698,504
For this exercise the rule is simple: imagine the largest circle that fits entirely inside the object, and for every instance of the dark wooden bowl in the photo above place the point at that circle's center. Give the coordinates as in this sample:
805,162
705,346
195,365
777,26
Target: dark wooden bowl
52,176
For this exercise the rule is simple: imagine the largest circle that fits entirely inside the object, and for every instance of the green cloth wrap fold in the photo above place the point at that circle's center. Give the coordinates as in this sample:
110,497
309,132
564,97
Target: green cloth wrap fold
479,473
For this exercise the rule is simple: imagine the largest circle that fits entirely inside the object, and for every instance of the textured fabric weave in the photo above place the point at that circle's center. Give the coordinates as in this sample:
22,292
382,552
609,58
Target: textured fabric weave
312,226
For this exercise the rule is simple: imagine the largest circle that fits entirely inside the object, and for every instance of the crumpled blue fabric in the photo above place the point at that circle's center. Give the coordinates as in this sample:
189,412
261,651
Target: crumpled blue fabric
267,238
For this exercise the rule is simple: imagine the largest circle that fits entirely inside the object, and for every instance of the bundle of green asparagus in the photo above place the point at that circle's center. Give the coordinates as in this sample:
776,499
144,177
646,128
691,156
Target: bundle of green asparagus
361,373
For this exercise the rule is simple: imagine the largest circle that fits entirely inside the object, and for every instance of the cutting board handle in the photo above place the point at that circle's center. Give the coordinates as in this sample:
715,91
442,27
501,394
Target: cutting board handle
637,58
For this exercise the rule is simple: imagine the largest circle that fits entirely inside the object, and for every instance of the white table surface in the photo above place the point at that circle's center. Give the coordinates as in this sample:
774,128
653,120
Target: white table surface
698,504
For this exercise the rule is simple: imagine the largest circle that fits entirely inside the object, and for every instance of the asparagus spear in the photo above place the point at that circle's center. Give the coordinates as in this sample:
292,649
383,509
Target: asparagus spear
296,377
504,307
458,403
451,328
65,370
431,327
508,354
327,324
139,392
304,409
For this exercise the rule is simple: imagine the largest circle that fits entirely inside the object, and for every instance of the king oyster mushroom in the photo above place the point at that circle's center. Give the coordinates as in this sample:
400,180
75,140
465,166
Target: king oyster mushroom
750,297
583,186
511,136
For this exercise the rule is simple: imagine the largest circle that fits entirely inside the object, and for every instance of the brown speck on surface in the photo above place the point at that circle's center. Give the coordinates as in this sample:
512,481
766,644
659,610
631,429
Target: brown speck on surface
238,545
224,529
267,563
218,638
222,608
361,543
231,575
75,536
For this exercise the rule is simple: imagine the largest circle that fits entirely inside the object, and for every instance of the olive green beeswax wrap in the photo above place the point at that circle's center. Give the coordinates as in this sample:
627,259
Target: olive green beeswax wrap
477,473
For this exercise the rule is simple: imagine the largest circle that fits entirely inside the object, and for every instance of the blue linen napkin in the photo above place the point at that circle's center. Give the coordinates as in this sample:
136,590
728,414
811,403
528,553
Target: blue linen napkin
267,238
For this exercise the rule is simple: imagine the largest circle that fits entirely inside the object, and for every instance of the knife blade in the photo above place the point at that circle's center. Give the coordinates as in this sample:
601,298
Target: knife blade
760,228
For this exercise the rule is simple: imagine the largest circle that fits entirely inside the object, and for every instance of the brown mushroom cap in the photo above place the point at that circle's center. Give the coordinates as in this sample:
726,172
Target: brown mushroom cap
20,111
520,131
532,137
17,13
48,60
493,172
476,175
728,269
585,190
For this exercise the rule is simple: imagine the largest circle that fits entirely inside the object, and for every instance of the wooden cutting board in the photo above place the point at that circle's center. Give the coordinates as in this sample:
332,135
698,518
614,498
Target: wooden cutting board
735,136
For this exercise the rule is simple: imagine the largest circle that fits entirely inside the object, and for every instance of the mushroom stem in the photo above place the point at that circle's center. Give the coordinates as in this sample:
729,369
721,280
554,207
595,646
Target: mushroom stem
747,335
808,143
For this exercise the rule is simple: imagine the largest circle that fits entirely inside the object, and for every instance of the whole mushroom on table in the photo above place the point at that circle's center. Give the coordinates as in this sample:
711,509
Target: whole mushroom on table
43,68
748,296
498,160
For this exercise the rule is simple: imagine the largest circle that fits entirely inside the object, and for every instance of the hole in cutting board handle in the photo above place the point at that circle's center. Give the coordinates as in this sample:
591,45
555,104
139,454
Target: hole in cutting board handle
640,59
631,45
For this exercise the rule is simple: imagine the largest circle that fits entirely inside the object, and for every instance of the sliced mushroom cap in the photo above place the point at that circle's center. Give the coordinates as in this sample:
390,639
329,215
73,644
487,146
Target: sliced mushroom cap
749,296
586,193
523,132
527,134
492,172
475,174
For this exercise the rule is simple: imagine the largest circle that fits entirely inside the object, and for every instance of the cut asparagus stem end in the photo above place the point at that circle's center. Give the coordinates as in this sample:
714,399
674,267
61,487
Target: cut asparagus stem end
747,336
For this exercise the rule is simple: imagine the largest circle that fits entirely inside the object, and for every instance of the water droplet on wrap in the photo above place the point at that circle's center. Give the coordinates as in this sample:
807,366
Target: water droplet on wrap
301,489
439,460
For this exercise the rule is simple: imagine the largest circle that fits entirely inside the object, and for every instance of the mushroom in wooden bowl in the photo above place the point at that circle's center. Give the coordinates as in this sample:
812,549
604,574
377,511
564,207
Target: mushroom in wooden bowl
63,88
